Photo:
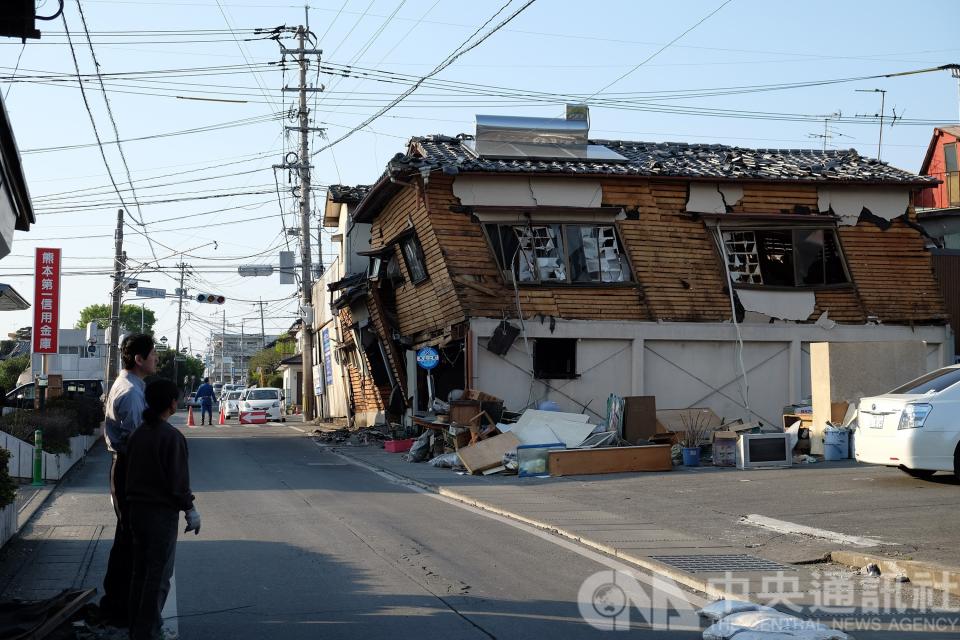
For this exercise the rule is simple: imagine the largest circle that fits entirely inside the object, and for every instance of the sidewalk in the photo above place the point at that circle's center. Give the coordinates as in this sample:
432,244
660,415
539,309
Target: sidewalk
67,536
642,519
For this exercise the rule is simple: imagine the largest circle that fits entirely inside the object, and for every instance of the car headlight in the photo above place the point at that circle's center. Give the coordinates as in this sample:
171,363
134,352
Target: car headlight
914,415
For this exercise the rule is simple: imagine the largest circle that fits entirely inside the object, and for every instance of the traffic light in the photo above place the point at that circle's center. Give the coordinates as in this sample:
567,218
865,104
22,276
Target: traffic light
210,298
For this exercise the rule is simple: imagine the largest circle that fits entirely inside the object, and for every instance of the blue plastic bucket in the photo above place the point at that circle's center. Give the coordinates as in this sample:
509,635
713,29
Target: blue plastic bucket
691,456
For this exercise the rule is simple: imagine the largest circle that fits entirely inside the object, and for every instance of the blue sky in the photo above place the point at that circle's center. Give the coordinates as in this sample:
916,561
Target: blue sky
554,47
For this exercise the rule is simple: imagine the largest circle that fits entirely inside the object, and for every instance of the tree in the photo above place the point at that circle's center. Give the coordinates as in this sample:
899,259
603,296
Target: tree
129,317
267,360
10,370
189,367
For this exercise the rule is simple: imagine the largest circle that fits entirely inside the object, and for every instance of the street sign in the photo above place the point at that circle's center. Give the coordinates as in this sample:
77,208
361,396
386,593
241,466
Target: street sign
150,292
46,301
254,270
287,268
428,358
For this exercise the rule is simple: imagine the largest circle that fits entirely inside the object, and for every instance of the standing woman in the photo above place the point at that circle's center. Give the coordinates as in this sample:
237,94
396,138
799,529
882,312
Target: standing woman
158,489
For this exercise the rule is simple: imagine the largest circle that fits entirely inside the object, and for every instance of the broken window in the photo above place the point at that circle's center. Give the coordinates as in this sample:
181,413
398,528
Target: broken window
785,257
559,253
554,358
413,256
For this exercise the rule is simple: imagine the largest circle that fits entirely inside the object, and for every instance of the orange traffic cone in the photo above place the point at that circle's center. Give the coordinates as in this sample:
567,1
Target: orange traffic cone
223,417
190,422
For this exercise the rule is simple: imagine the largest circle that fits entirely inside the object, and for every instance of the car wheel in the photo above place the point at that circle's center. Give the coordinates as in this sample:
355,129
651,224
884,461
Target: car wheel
923,474
956,463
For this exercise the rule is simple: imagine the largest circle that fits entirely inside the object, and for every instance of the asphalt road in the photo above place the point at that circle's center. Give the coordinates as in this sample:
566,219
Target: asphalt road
298,543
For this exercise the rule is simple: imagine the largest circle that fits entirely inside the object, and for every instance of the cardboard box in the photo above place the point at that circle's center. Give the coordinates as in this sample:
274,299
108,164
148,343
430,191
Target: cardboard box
725,448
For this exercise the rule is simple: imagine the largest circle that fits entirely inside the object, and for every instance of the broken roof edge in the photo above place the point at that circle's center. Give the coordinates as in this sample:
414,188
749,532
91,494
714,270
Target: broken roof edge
417,161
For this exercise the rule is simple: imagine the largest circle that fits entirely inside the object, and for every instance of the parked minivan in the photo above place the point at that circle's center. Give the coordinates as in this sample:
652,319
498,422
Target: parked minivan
23,396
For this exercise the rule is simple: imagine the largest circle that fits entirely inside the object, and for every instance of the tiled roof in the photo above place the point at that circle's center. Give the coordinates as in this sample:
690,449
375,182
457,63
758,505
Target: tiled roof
344,194
672,159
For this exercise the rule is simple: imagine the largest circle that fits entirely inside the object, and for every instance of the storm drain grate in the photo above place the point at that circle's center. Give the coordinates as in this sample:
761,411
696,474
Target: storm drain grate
730,562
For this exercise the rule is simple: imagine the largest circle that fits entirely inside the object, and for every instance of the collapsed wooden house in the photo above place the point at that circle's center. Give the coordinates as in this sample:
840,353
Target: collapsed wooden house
546,266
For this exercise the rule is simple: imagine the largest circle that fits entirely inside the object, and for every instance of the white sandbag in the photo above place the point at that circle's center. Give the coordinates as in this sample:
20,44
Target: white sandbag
723,608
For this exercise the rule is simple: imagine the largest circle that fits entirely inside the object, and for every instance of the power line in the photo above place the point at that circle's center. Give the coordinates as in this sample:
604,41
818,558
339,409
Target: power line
113,122
458,52
661,49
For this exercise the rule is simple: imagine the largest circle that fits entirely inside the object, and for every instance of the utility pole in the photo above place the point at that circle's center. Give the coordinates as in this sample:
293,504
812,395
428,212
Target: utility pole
115,296
223,347
263,333
176,356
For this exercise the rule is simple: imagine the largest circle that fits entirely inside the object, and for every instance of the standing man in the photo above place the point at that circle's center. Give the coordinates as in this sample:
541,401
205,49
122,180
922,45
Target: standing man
124,413
206,394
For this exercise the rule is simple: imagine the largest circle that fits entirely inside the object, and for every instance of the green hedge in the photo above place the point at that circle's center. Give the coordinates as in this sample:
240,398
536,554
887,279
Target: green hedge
8,487
63,419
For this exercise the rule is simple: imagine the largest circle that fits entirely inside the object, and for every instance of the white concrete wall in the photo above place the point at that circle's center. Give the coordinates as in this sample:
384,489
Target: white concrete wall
682,364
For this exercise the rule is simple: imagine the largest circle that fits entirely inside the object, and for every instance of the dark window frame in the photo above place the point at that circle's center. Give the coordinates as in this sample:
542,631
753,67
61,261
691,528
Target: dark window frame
795,229
496,244
547,371
413,242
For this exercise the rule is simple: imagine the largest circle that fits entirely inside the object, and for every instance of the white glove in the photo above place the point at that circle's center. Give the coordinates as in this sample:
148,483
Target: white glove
193,521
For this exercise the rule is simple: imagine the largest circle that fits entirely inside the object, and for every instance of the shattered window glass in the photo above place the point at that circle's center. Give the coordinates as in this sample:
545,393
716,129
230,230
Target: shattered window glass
595,254
540,257
572,253
785,257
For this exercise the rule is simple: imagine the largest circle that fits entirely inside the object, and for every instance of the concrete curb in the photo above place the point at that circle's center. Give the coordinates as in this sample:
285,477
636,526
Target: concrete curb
688,580
35,503
923,574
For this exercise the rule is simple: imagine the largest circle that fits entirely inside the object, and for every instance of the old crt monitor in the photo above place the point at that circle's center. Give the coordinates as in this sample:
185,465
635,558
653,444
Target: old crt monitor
756,450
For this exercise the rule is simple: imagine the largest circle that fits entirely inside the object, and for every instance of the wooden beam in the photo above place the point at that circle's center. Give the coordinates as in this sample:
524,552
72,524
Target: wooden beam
571,462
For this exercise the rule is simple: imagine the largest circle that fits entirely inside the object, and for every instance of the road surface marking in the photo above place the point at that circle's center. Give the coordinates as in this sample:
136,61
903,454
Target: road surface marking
296,428
695,600
782,526
169,613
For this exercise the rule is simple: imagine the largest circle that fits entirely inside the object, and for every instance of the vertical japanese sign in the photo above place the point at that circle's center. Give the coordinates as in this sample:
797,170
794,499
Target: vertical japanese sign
46,301
327,360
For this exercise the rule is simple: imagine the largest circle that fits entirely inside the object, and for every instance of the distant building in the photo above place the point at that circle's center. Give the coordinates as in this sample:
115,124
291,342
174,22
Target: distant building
228,355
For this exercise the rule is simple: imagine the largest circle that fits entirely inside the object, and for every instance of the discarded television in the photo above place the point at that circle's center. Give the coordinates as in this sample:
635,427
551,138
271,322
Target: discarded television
759,450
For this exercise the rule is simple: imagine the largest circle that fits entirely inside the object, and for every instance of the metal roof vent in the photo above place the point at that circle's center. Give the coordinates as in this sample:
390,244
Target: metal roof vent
515,137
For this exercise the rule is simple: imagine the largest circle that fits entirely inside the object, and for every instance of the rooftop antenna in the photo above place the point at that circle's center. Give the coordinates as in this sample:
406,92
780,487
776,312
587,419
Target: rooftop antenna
955,72
883,99
828,132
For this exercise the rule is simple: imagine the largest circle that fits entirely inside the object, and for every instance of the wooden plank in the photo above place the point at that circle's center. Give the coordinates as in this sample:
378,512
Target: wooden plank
572,462
488,453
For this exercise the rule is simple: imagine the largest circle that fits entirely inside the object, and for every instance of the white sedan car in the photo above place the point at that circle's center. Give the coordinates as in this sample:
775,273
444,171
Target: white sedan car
915,427
269,399
231,404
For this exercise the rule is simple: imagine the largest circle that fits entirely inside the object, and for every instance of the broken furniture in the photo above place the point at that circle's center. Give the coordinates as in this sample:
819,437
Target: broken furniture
571,462
488,453
672,423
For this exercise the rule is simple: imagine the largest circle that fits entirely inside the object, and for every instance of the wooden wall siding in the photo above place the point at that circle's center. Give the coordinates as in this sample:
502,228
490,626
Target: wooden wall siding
776,198
366,395
947,270
673,256
468,257
431,305
893,272
841,305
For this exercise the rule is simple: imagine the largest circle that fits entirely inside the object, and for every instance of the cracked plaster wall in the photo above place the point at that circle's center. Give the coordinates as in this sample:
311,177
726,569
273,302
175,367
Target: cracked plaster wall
526,192
712,197
847,203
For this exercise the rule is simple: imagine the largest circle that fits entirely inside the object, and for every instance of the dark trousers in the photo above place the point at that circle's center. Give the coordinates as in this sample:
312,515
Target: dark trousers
154,543
116,584
206,409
